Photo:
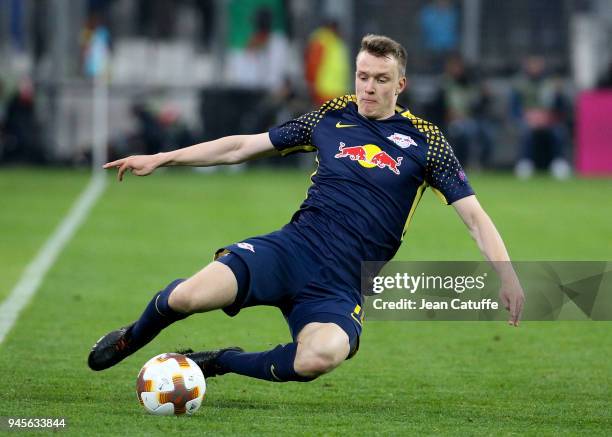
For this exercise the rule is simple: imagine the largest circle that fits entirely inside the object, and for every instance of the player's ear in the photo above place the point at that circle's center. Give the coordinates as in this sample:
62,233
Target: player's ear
401,85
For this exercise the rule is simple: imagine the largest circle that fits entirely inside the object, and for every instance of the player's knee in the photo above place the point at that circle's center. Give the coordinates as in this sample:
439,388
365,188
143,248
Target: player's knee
182,299
318,358
211,288
314,367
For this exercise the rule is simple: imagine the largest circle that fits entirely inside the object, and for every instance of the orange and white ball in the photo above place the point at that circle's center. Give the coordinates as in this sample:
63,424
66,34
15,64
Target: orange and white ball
170,384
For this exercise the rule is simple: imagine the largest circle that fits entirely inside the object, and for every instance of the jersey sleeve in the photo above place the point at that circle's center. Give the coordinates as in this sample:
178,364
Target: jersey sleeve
443,172
295,135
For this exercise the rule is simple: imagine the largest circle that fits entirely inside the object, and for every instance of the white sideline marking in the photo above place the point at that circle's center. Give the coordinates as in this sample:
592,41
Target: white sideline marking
34,273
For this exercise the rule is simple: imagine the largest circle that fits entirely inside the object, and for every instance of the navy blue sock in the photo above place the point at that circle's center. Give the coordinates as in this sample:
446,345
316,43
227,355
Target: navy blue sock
274,365
156,316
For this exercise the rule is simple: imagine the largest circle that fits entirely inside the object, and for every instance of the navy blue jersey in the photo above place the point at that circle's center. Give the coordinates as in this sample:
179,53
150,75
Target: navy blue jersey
371,175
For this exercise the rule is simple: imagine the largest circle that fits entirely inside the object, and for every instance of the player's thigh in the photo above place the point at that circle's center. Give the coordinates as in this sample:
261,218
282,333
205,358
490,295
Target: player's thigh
213,287
322,341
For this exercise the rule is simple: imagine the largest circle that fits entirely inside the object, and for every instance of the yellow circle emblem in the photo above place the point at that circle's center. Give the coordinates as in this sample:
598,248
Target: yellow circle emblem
371,150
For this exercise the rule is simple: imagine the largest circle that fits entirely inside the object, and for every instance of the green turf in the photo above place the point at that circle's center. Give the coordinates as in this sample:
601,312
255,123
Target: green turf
31,205
408,378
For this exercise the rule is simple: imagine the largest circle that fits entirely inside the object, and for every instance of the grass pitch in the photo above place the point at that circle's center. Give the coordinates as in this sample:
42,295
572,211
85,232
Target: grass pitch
408,377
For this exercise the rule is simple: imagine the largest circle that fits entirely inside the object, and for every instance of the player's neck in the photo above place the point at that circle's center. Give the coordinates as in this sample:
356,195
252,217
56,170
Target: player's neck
379,117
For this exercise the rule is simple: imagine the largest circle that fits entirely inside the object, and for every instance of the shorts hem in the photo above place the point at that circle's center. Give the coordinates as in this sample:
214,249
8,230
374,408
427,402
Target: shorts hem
240,270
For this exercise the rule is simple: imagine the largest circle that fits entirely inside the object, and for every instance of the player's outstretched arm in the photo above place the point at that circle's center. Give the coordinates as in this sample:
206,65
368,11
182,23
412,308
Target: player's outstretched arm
492,247
227,150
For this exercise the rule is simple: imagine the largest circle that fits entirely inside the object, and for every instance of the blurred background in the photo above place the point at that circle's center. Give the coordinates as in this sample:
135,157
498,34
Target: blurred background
518,86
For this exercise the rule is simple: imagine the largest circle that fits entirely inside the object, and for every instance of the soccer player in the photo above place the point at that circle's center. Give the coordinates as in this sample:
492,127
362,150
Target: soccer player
375,160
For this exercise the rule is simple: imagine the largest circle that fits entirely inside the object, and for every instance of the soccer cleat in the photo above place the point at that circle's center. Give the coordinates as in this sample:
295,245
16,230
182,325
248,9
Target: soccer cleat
207,360
111,349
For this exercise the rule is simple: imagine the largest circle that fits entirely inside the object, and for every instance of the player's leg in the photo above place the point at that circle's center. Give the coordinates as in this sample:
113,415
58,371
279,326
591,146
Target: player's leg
272,274
319,348
211,288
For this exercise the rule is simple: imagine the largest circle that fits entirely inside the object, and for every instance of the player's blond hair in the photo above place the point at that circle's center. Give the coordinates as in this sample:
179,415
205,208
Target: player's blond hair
380,45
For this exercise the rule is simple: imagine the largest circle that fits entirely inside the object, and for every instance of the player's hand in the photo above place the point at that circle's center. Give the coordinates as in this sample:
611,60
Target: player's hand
140,165
513,298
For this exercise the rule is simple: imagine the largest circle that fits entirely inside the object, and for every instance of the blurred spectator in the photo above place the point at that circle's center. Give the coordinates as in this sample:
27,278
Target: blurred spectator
276,108
176,133
327,64
541,111
95,37
155,131
439,20
207,11
17,33
148,137
157,18
95,54
20,127
286,103
40,25
464,106
241,23
99,11
263,62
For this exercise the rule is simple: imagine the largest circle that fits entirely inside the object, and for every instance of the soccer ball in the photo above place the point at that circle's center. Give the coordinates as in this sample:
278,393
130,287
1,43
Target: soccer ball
170,384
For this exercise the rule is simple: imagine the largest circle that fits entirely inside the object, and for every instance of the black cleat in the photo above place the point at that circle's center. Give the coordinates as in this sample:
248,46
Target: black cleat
111,349
207,360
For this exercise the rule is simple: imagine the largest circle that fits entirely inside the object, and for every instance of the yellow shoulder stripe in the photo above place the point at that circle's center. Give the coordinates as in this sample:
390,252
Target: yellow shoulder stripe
338,103
302,148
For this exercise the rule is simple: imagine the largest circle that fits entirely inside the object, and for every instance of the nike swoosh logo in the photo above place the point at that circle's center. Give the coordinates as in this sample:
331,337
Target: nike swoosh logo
340,125
274,374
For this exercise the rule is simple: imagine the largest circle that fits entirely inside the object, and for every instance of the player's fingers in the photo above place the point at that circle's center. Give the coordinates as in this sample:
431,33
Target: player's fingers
122,170
112,164
513,314
519,309
505,302
514,311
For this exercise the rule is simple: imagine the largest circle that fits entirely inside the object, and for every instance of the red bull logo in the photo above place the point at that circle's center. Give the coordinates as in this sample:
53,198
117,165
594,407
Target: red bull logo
383,159
369,156
356,153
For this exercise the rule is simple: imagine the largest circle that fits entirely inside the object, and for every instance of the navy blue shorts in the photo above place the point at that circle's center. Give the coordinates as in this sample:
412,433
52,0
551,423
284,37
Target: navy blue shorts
281,270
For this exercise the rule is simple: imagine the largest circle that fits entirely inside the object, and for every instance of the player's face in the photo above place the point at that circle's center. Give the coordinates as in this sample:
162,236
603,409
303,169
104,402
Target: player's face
377,85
